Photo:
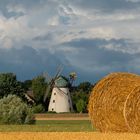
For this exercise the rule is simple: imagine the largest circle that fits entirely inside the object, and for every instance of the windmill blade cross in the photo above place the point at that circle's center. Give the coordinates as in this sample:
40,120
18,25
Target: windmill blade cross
52,81
47,76
59,70
49,88
62,91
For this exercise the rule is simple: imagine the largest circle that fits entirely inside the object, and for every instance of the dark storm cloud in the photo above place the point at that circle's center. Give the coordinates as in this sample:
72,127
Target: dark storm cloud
27,62
95,60
98,61
96,53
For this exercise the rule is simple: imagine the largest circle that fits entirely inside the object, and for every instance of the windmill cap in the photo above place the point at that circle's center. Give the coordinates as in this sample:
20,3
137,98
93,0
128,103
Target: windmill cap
62,81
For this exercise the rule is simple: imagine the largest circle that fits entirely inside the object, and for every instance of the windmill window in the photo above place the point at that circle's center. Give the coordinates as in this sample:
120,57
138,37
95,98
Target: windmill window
69,101
53,101
54,93
52,109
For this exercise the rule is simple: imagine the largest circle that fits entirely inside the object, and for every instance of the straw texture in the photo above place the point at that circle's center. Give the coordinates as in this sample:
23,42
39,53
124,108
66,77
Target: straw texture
111,100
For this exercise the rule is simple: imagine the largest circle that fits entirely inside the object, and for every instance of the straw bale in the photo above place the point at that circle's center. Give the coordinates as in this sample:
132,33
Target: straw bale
107,100
132,110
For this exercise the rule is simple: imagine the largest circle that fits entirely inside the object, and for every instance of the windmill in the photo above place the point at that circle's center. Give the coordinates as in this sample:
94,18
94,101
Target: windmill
60,100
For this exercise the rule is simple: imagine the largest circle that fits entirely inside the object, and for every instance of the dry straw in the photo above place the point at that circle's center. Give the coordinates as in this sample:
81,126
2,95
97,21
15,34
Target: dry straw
114,103
132,110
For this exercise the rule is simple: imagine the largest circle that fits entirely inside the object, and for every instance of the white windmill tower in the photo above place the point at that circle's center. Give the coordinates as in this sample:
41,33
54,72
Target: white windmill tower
60,96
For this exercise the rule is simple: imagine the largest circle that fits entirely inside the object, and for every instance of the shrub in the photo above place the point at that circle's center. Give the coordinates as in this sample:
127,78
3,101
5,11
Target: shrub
80,106
14,111
38,108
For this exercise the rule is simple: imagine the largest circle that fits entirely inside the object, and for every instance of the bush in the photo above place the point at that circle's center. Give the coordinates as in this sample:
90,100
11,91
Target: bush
14,111
80,106
39,109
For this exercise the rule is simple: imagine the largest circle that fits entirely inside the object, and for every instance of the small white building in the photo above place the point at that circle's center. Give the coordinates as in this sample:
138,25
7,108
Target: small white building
60,98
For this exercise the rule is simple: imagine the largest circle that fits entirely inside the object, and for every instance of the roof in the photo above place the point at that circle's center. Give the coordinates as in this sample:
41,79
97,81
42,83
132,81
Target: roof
30,96
61,81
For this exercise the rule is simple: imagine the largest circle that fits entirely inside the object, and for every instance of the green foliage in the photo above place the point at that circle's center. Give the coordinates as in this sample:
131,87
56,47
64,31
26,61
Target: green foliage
80,105
9,85
14,111
78,96
39,88
27,84
85,87
38,109
81,92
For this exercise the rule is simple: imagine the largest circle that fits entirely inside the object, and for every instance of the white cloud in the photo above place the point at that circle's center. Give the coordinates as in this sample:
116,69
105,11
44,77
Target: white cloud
15,30
7,43
54,21
41,20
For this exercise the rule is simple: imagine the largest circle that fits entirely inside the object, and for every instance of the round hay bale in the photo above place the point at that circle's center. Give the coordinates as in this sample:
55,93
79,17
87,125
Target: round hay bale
132,110
107,100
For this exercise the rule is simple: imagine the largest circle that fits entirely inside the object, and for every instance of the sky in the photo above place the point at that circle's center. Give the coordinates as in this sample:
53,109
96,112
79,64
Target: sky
90,37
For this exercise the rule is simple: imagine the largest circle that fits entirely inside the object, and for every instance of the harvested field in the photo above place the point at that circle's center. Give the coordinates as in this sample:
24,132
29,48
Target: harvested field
68,136
67,116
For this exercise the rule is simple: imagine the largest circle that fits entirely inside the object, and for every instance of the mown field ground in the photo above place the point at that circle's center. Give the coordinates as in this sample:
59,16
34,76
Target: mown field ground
51,126
54,123
60,127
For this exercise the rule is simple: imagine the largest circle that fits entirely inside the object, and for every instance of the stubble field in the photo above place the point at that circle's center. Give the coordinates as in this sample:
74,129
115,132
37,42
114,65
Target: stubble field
67,136
60,128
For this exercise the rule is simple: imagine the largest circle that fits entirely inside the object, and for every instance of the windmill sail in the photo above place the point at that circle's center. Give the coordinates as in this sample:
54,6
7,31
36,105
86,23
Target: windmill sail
47,92
52,81
59,70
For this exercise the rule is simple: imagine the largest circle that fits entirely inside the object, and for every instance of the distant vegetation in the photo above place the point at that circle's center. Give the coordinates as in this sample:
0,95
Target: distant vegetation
9,85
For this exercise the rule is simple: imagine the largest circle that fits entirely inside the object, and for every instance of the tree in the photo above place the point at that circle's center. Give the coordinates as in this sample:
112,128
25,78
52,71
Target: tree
81,106
10,85
85,87
76,96
27,84
82,91
14,111
39,88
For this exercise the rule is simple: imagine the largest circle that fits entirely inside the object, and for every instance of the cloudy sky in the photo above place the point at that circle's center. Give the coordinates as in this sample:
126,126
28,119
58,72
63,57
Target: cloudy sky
91,37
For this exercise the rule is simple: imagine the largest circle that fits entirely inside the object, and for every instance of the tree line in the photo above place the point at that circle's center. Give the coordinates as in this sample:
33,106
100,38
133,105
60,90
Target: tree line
9,85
